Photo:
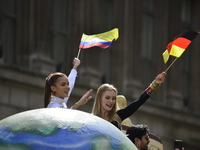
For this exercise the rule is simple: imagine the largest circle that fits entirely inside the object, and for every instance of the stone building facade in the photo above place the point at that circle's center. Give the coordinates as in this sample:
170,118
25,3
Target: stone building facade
40,37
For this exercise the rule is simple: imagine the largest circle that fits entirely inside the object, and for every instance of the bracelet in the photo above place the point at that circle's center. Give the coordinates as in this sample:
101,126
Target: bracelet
152,88
149,91
154,85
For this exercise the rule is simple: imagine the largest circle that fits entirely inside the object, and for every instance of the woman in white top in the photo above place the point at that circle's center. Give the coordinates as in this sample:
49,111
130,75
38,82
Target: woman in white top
58,88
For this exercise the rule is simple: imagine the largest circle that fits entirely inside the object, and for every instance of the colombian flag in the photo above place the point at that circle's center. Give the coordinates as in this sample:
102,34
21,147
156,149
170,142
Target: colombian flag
178,46
102,40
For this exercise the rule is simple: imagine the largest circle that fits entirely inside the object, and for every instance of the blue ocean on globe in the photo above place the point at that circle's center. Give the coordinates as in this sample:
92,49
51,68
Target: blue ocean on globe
60,129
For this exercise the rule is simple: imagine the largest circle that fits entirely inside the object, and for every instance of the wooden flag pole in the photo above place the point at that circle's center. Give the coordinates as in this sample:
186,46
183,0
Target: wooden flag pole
79,51
171,64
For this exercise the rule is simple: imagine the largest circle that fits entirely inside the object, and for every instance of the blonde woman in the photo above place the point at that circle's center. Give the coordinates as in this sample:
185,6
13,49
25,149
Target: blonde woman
105,102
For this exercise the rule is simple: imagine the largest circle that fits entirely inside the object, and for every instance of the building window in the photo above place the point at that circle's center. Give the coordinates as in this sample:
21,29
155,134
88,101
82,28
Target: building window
8,30
106,9
186,13
147,39
60,32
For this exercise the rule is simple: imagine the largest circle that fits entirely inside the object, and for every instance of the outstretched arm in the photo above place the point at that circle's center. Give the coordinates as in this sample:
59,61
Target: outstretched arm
84,99
72,77
131,108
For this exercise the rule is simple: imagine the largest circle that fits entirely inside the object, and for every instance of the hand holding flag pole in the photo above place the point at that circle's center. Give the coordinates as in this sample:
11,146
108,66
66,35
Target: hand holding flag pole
102,40
178,46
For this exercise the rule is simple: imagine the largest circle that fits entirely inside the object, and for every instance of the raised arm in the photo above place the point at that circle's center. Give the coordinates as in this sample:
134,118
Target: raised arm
72,77
132,107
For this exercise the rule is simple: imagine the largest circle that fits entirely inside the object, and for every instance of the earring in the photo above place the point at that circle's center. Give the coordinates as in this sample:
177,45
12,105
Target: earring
54,92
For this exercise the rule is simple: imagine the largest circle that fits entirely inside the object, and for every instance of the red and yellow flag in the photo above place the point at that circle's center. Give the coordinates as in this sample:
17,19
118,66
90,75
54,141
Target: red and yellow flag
178,46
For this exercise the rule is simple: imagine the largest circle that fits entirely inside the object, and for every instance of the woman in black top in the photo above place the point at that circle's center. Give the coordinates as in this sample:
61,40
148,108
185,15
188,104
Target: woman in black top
105,102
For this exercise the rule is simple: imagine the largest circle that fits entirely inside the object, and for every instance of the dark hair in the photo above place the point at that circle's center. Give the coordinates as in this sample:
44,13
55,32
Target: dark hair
137,131
50,81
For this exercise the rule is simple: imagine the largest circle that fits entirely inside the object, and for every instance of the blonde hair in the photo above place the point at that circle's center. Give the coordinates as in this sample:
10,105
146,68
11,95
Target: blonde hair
96,110
122,103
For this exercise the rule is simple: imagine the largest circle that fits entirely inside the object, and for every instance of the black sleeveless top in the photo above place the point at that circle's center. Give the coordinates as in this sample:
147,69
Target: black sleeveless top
130,109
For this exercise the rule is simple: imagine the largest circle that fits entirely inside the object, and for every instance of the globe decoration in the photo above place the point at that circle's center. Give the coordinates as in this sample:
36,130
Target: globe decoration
60,129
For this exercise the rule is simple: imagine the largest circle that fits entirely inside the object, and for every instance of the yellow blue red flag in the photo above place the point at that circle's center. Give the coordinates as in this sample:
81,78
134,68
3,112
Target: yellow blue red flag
102,40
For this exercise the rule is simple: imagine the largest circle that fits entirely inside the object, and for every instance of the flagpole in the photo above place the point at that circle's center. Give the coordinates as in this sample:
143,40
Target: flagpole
171,64
79,51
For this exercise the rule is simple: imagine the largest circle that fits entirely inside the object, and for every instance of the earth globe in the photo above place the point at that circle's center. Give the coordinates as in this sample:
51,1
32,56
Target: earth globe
60,129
